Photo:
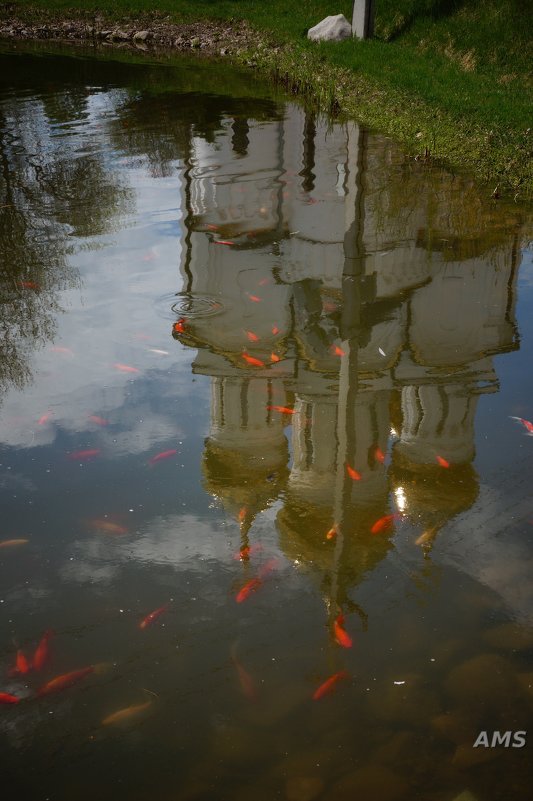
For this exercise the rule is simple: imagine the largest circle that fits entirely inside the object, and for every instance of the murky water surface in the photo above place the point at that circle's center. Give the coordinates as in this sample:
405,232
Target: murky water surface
266,504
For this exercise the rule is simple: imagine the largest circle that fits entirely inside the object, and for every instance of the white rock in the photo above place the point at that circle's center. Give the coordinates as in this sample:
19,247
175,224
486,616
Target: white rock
331,29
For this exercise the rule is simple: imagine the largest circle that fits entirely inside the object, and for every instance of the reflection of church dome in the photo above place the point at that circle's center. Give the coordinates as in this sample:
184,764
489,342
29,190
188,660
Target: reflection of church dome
244,482
434,494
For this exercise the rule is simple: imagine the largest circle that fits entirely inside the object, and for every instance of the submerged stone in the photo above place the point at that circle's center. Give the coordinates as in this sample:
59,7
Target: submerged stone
303,788
510,637
331,29
371,782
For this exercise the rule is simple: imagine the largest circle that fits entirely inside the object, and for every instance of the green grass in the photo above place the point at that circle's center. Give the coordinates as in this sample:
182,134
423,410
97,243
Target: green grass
450,75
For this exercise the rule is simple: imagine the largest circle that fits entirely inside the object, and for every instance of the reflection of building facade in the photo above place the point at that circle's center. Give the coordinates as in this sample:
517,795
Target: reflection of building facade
372,305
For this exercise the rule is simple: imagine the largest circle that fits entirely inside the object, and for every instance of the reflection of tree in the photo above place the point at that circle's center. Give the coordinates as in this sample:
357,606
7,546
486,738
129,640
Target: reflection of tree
53,185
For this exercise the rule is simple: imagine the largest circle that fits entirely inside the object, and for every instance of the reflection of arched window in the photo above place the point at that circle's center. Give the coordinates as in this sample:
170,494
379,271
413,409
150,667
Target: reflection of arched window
308,183
239,140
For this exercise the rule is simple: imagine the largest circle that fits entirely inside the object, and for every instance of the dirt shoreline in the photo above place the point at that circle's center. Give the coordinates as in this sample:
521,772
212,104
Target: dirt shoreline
215,39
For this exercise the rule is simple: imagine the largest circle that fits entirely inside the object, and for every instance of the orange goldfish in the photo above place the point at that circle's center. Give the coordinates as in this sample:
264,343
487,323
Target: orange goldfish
274,357
442,462
179,327
254,298
242,514
427,536
353,473
29,284
264,281
100,421
341,636
329,685
246,682
125,368
84,456
22,665
124,715
380,456
40,656
331,533
253,361
7,698
64,681
246,551
337,351
108,527
282,409
275,330
13,543
163,455
526,423
252,337
383,523
224,242
249,587
149,619
44,418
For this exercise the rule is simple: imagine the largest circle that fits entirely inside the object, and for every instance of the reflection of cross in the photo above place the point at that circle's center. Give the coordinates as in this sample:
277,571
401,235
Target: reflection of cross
363,19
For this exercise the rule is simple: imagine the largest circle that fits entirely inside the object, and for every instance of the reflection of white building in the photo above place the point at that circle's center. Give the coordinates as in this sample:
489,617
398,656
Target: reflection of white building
323,255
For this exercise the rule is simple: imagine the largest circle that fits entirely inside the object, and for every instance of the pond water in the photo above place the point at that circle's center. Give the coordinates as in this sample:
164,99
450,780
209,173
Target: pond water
265,458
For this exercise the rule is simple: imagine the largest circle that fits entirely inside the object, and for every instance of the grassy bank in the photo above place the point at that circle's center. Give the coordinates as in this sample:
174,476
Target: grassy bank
446,77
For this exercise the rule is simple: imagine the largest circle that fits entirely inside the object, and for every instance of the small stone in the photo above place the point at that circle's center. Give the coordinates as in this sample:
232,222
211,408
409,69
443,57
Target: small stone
466,795
224,51
331,29
484,682
195,42
141,36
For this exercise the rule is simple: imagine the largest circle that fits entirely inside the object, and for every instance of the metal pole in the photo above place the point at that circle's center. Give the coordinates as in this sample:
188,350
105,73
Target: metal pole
363,19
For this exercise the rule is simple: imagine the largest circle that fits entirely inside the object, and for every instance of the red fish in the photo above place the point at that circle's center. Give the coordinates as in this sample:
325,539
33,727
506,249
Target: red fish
65,680
384,523
337,351
22,665
442,462
84,456
125,368
108,527
246,551
526,423
282,409
40,656
60,349
224,242
44,418
179,327
253,361
275,330
252,337
100,421
212,227
380,456
341,636
149,619
163,455
330,684
249,587
331,533
264,281
246,682
242,514
7,698
274,357
254,298
29,284
353,473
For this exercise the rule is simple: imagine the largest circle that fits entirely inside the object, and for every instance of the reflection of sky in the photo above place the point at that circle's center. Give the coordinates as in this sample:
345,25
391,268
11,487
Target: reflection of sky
118,316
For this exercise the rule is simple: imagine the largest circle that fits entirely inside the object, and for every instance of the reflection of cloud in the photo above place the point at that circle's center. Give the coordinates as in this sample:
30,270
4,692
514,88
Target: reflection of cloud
185,543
